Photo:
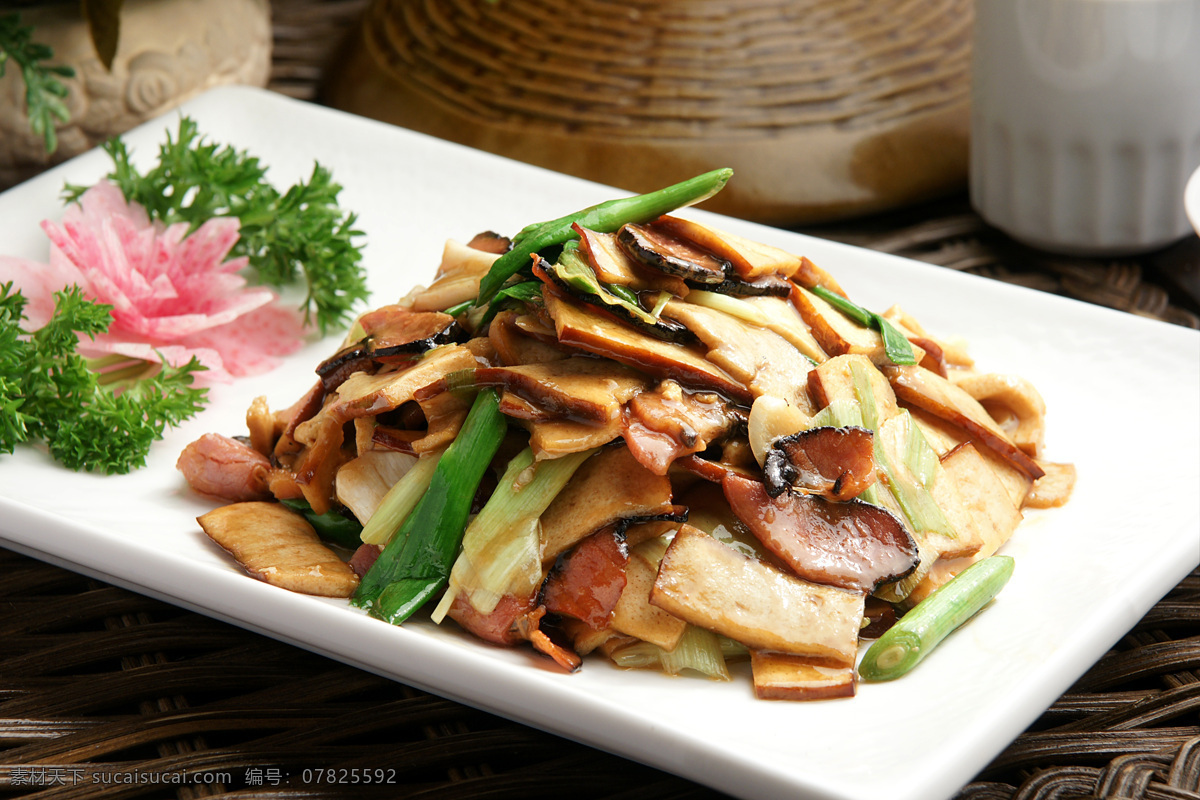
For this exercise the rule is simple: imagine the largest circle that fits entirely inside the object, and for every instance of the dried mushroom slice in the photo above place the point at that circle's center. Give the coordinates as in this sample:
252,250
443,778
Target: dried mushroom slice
393,333
664,250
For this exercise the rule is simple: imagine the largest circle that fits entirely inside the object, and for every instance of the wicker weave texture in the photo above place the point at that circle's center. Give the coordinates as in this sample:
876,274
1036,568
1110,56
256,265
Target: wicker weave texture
96,681
685,69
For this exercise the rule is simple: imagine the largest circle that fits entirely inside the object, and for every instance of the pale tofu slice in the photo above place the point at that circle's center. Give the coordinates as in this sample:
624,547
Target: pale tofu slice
783,318
711,585
280,547
635,616
978,505
975,500
778,676
609,487
1052,489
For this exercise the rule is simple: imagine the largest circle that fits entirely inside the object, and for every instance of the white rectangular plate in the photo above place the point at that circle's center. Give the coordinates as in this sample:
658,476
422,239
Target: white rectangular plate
1124,405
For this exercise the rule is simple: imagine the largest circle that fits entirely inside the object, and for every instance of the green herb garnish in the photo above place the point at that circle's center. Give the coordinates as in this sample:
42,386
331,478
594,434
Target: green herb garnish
99,422
299,232
44,92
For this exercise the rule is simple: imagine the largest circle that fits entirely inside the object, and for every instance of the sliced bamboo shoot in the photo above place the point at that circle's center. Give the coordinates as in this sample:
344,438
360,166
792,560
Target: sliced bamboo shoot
279,547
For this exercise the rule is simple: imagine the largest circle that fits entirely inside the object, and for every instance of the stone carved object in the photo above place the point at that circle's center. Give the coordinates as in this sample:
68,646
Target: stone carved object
169,51
824,108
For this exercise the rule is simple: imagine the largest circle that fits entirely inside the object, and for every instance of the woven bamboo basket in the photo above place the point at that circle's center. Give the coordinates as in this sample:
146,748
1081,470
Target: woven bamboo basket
825,109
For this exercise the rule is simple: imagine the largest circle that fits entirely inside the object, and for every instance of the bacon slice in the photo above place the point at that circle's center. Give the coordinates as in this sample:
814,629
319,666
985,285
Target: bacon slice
838,463
587,583
222,467
669,423
850,545
500,625
513,620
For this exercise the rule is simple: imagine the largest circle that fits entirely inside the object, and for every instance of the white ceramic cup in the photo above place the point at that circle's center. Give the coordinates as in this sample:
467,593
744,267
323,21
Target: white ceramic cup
1085,121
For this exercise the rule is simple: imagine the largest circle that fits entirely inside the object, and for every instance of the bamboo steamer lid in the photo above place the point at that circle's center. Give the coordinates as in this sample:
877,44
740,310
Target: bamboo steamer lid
825,109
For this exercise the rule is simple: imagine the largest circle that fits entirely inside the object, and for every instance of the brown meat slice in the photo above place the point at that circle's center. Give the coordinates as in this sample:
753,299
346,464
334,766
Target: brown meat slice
669,423
838,463
850,545
222,467
587,582
280,547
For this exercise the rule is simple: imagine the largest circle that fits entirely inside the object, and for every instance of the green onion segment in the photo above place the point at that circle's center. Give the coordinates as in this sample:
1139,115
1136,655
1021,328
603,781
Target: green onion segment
501,549
604,218
416,562
919,631
895,345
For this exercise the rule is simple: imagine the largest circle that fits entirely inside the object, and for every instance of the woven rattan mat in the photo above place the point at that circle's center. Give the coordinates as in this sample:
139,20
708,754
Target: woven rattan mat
99,685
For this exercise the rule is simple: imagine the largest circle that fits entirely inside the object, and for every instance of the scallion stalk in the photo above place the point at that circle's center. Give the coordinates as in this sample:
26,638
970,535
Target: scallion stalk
400,500
919,631
605,218
698,649
501,551
732,306
416,562
895,344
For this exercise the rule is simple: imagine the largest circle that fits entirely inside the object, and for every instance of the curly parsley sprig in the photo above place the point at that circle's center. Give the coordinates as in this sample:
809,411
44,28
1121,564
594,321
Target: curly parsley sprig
89,420
44,92
299,232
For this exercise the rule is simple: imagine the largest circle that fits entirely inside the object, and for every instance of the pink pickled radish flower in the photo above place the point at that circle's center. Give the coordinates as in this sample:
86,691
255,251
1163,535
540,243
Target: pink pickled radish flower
172,294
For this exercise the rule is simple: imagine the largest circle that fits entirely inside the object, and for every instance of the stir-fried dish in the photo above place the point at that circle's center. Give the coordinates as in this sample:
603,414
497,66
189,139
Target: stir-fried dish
630,434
